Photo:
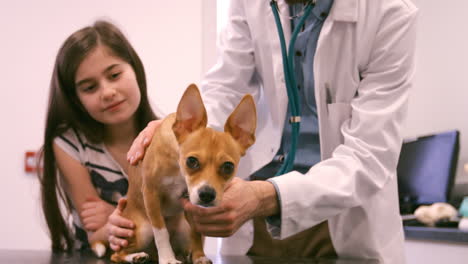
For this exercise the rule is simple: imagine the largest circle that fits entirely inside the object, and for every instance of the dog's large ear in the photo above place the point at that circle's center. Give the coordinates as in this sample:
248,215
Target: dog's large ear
242,123
191,113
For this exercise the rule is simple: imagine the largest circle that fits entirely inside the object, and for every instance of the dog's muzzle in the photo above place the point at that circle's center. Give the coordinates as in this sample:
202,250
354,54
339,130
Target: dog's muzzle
206,196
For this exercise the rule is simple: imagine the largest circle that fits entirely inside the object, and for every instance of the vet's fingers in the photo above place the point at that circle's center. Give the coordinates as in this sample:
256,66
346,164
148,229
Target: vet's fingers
225,218
184,201
233,182
196,210
217,234
216,230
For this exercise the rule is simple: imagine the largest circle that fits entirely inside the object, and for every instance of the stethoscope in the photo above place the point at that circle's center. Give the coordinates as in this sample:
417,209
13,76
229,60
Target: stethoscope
290,80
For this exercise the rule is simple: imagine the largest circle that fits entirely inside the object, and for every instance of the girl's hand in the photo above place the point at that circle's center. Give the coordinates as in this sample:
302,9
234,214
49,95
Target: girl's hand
141,142
94,213
119,228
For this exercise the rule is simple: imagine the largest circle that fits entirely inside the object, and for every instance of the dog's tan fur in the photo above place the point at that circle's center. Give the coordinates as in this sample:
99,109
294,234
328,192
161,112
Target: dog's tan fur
157,183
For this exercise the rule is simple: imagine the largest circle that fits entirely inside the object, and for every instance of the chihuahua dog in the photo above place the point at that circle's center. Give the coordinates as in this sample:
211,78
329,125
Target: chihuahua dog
185,157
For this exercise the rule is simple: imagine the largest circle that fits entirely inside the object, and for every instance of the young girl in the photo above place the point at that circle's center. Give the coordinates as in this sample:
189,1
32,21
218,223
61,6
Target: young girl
97,105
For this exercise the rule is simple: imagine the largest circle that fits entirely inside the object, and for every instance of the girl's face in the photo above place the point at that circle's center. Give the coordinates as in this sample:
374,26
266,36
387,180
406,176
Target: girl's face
107,87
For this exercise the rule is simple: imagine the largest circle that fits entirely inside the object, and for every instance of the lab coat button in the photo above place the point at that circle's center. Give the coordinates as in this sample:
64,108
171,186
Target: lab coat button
282,79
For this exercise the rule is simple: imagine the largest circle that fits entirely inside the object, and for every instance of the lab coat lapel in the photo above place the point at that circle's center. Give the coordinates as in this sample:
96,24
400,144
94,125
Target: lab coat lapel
281,97
345,10
342,11
274,42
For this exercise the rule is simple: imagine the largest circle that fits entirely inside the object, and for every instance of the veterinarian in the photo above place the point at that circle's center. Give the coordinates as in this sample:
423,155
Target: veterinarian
345,83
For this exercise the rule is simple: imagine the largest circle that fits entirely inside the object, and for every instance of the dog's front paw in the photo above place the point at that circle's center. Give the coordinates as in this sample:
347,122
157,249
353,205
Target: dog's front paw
99,248
203,260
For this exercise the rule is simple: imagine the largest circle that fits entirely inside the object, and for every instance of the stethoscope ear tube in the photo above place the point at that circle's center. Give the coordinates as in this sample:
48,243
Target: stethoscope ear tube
291,84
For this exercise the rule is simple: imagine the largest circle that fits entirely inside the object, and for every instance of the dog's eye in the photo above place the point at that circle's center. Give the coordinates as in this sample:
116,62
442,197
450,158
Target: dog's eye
227,167
192,163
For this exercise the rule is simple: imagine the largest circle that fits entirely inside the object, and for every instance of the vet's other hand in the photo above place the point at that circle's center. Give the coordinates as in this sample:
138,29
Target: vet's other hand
94,213
141,142
119,228
242,201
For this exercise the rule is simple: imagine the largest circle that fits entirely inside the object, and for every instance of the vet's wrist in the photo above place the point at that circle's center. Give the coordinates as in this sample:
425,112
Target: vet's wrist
267,197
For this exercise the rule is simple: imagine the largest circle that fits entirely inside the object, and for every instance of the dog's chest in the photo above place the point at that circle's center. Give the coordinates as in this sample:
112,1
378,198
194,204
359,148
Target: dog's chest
172,188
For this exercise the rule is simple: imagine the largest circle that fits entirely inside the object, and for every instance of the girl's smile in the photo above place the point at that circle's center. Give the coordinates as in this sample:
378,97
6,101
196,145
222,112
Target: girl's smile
114,107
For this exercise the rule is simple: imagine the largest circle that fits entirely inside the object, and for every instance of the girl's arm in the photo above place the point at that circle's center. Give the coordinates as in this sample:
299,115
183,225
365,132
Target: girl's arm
92,210
94,213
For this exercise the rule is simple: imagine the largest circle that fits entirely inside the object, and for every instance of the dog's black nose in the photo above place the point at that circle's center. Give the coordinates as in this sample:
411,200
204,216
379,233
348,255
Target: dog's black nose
207,194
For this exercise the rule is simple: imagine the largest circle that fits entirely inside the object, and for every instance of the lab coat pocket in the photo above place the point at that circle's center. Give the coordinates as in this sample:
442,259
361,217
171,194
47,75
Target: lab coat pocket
338,113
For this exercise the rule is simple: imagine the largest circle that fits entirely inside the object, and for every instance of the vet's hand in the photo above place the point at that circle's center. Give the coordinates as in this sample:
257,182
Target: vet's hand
119,228
94,213
242,201
141,142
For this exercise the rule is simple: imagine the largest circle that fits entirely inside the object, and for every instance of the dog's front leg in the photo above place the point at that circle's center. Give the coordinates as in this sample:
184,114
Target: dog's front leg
161,235
196,244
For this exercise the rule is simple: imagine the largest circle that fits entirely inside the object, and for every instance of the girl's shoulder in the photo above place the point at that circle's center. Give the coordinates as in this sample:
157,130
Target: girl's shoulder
77,145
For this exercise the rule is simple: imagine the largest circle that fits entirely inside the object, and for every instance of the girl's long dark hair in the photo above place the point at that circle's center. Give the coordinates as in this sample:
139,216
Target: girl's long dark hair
65,111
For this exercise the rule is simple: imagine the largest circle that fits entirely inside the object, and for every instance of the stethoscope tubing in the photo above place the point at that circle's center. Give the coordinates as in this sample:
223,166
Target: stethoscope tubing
291,83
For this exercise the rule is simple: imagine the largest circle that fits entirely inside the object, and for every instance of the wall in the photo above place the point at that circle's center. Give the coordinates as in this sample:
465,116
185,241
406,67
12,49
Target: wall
168,37
439,100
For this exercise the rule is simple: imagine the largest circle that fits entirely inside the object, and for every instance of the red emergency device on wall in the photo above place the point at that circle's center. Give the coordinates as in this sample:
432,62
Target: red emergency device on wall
30,161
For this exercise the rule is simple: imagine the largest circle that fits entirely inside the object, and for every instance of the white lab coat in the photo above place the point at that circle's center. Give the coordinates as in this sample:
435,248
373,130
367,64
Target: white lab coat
365,56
